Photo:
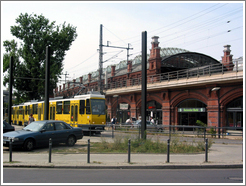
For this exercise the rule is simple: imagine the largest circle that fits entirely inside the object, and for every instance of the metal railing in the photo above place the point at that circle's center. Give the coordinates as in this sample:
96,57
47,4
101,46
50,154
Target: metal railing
203,71
180,130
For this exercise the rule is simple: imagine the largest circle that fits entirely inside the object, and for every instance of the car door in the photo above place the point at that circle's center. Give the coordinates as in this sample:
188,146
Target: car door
47,133
61,132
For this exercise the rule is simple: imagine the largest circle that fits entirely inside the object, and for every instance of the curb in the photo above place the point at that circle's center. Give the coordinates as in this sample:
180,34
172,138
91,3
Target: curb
130,167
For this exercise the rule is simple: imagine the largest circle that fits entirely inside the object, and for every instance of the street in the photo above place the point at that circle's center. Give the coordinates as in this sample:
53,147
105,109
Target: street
52,175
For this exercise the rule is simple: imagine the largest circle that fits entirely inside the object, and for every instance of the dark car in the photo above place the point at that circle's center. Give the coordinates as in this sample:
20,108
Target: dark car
38,133
149,125
7,127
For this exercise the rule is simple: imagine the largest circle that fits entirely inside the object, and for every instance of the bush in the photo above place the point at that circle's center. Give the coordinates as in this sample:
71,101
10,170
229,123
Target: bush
120,145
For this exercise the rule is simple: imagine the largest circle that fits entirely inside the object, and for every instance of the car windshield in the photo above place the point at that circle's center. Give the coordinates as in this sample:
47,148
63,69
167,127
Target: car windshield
34,126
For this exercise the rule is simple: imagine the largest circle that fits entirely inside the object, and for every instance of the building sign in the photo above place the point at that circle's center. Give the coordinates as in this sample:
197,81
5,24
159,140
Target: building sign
123,106
191,110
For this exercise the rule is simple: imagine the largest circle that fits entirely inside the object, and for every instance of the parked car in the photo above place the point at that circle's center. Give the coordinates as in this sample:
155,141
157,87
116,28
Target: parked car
149,125
38,133
7,127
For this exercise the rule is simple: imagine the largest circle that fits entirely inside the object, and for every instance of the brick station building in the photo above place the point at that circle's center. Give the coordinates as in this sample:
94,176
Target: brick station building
182,87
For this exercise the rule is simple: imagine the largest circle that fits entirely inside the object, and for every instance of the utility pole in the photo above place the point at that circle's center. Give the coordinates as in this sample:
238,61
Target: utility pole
47,83
65,76
11,70
101,57
144,84
100,60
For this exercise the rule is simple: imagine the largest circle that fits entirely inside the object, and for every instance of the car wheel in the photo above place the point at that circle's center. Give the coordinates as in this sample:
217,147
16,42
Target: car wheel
29,145
71,141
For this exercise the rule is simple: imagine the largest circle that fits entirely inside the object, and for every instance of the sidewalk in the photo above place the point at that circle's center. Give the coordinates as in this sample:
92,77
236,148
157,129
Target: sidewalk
219,156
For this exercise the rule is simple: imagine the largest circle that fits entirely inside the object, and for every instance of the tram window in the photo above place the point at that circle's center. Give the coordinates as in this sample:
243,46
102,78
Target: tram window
88,108
21,110
42,108
35,109
98,106
82,107
27,110
59,107
66,107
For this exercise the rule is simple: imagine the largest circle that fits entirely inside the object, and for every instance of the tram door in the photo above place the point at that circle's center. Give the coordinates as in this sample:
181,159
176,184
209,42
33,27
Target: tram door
39,113
74,113
52,112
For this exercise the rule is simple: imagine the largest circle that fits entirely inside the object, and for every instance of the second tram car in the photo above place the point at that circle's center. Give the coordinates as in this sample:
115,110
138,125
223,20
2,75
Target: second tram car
86,111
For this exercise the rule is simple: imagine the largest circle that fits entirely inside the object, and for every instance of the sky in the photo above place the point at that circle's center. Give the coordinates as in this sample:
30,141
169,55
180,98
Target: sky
195,26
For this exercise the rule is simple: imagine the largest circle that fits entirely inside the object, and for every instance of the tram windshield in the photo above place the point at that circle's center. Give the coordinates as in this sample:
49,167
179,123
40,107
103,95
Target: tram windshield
98,106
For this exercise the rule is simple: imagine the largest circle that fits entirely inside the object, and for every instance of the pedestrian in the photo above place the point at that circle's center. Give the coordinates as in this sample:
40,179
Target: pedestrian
152,120
31,119
113,120
129,121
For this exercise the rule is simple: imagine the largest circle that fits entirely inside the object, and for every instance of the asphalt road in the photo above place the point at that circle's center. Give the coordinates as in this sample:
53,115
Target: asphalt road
52,175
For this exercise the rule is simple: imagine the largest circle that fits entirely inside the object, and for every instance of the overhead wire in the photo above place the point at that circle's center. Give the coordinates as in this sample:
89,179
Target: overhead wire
207,24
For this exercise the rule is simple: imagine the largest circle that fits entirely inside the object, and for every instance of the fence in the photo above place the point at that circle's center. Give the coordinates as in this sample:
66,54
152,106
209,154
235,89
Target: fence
167,135
176,75
180,130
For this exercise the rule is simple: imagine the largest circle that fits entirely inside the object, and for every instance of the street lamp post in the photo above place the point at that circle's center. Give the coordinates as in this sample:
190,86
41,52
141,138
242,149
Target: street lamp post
218,89
116,96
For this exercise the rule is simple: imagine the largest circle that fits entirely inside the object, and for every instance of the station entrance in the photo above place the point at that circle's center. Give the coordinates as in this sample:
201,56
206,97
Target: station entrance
235,113
191,110
154,110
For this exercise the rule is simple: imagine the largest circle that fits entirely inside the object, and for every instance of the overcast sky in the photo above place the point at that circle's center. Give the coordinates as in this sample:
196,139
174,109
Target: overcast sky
194,26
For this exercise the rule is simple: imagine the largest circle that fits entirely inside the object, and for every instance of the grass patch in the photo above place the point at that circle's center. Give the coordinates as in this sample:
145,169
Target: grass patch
11,162
120,145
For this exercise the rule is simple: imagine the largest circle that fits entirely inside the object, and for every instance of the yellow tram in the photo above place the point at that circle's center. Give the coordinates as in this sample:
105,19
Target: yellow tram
86,111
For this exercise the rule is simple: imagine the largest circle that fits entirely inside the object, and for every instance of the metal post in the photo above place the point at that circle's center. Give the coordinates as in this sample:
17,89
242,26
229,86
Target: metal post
206,150
204,133
10,87
50,149
10,150
100,59
88,151
129,150
219,111
144,84
113,130
168,150
47,84
139,131
90,129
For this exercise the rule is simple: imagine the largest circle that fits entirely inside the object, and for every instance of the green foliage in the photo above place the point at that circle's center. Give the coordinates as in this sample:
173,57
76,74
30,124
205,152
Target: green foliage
36,33
200,130
212,132
200,123
120,145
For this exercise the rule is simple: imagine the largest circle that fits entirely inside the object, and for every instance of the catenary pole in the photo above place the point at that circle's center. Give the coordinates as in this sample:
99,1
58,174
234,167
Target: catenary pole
47,84
144,84
100,60
10,87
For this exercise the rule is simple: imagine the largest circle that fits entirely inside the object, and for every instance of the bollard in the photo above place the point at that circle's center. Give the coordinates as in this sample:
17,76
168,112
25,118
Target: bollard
10,150
90,130
168,150
112,130
206,150
88,151
139,131
50,147
204,133
129,150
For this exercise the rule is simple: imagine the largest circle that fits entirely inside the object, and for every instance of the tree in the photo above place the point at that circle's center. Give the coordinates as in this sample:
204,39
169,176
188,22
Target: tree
35,33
